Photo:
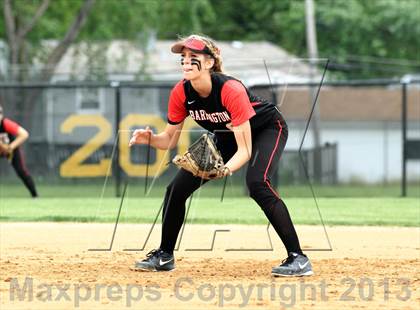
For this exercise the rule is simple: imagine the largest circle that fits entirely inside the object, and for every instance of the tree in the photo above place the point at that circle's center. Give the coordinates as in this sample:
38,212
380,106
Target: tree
355,34
20,21
343,26
18,26
358,36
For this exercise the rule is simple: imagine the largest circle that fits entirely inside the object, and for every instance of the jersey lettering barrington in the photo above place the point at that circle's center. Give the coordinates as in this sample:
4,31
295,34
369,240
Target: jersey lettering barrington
228,102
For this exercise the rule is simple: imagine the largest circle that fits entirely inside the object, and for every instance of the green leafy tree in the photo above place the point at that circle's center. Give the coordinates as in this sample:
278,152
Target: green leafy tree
21,22
355,34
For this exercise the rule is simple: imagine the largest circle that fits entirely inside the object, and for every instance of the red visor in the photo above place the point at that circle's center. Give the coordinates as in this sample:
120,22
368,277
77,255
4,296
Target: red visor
193,44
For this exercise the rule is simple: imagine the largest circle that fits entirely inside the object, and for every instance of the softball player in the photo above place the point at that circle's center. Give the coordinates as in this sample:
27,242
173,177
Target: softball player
257,133
11,138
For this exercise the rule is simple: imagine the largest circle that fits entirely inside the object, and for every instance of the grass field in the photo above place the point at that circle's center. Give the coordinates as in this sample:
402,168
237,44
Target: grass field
94,189
339,205
334,211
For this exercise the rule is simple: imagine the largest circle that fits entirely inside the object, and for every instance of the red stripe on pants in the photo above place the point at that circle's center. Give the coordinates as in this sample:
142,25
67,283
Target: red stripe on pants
271,158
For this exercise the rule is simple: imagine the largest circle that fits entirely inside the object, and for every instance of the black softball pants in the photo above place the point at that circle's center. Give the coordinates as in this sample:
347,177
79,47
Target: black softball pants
268,145
22,172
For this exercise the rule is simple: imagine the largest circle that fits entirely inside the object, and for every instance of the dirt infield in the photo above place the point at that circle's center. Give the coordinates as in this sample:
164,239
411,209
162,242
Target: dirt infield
48,266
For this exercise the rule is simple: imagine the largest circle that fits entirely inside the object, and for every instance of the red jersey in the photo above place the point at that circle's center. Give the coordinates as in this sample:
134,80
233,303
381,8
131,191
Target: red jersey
8,130
228,102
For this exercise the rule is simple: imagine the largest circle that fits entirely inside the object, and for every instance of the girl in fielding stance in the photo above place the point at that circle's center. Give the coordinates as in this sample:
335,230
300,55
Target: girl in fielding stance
11,138
258,133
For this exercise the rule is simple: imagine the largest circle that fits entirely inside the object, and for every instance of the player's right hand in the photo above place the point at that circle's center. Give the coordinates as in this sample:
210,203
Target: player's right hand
141,136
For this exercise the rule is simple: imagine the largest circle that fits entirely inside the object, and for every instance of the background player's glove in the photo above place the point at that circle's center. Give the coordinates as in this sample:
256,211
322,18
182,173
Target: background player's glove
6,151
203,159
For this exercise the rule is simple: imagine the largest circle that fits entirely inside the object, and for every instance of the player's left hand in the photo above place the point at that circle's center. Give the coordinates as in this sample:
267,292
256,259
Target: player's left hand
203,159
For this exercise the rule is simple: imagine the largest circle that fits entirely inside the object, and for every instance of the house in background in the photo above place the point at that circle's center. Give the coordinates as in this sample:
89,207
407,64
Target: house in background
365,123
127,61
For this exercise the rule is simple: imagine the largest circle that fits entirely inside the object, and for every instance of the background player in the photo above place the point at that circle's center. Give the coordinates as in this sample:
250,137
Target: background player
246,127
12,136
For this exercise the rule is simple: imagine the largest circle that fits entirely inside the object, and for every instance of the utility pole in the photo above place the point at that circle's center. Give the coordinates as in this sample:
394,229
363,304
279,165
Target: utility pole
311,43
